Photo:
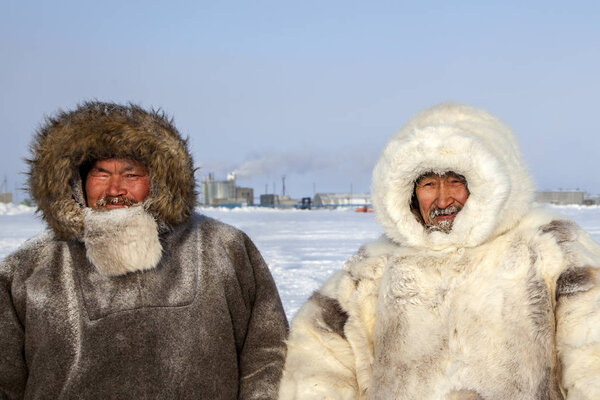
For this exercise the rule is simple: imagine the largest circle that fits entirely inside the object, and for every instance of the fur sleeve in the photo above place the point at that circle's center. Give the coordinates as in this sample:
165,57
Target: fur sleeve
577,310
13,372
330,349
263,353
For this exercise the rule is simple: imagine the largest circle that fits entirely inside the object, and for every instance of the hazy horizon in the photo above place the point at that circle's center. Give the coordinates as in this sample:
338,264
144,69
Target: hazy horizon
309,91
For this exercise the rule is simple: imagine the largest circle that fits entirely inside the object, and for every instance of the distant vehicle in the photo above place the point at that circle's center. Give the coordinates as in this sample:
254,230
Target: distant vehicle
364,209
305,203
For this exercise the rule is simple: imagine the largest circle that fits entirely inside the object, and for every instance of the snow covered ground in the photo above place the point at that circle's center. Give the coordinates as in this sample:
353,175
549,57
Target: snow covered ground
302,248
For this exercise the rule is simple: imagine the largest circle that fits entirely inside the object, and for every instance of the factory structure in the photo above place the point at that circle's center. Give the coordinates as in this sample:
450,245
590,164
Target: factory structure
225,193
5,195
332,200
565,197
561,197
279,201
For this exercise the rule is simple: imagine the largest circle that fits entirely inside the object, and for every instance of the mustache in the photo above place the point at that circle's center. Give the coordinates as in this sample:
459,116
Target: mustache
443,211
115,200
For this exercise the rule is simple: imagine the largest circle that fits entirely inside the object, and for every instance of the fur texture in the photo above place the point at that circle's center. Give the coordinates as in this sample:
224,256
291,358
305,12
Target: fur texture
470,142
206,323
121,240
148,302
95,130
505,306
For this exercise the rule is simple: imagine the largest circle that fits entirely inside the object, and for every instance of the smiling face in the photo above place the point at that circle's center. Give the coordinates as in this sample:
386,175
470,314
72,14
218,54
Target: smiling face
440,198
116,183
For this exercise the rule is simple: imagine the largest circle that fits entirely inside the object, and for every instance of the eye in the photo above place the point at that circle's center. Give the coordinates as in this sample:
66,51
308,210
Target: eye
428,184
99,174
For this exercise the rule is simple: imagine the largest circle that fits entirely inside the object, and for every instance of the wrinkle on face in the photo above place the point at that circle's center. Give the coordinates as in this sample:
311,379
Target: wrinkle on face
116,183
438,198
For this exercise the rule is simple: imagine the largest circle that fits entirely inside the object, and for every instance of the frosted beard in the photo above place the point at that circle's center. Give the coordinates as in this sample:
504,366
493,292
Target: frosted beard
443,225
121,240
115,200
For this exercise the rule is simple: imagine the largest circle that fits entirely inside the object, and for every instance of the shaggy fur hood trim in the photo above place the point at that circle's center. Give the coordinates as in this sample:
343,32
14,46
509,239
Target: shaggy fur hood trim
470,142
95,130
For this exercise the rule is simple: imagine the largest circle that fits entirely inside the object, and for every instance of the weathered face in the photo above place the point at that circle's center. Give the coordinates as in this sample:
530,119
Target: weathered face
440,198
116,183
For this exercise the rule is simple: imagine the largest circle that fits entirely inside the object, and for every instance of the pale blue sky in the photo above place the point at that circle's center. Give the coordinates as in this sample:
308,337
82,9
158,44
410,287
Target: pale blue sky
313,89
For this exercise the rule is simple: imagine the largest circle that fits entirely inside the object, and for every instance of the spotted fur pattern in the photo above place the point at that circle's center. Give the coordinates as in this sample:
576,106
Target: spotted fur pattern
332,314
505,306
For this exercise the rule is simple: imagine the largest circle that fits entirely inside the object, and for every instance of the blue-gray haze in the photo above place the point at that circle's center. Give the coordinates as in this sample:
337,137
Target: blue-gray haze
313,89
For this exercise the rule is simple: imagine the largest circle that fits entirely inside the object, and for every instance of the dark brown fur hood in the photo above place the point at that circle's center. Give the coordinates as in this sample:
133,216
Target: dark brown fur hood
71,140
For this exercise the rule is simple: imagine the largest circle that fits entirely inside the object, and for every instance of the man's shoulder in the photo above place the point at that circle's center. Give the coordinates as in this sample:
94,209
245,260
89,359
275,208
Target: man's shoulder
370,259
26,256
214,233
208,225
540,221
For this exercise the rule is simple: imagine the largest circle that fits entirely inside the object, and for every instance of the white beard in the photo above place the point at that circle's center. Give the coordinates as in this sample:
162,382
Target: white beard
121,240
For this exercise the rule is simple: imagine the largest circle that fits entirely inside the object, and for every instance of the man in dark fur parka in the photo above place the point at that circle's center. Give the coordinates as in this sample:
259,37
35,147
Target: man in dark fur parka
130,294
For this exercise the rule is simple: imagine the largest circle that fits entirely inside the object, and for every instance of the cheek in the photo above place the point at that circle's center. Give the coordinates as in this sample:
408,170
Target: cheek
93,189
141,190
462,195
425,198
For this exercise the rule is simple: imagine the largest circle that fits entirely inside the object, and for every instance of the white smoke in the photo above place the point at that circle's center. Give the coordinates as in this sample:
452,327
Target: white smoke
264,165
282,163
352,162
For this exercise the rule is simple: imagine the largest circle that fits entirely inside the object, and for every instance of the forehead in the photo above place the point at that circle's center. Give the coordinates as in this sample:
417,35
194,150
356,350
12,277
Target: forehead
434,175
119,163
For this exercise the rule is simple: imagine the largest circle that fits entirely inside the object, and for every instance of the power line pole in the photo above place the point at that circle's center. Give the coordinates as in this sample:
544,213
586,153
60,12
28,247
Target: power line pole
283,185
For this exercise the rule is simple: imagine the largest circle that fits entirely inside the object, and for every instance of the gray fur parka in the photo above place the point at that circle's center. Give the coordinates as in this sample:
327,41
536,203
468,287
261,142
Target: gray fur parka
198,318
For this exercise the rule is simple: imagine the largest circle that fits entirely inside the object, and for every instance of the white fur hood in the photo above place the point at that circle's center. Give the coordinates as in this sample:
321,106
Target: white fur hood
470,142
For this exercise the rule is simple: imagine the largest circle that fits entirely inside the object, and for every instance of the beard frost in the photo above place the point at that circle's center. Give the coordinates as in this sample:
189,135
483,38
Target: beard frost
115,200
444,226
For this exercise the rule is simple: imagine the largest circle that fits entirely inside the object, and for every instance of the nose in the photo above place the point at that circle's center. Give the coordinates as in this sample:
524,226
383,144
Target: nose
445,198
116,187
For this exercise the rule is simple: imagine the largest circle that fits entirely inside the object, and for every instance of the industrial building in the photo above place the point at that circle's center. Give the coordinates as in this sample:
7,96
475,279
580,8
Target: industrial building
6,197
560,197
275,200
342,200
225,193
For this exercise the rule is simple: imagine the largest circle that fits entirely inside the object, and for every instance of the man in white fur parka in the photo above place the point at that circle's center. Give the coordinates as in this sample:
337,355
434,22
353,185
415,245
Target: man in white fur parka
472,293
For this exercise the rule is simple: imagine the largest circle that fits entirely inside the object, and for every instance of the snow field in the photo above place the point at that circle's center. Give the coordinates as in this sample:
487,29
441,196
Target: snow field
302,248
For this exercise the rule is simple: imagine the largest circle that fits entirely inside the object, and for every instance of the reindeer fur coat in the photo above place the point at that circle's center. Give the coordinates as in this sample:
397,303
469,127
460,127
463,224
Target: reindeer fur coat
505,306
166,304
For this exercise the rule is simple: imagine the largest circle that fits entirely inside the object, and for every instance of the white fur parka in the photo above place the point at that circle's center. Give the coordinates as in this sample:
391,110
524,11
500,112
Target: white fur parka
505,306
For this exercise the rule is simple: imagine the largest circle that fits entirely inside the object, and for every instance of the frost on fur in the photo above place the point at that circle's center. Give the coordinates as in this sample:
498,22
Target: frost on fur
121,240
504,305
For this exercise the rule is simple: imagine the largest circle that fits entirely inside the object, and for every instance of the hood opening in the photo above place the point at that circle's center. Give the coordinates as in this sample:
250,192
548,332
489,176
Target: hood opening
66,145
469,142
414,201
